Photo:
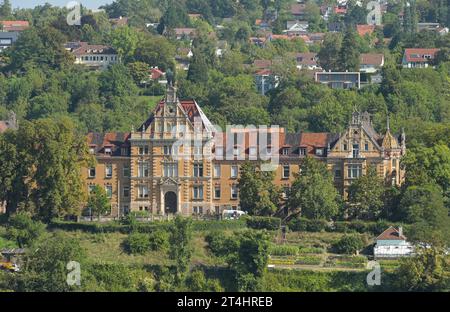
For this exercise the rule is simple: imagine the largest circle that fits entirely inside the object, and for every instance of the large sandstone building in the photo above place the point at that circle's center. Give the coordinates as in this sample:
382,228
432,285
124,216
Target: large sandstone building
178,162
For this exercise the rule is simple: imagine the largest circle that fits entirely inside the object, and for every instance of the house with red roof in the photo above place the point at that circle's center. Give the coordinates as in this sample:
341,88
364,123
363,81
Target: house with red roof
392,243
363,30
8,26
419,58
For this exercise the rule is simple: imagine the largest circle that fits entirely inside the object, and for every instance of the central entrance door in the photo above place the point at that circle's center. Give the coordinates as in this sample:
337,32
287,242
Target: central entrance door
170,202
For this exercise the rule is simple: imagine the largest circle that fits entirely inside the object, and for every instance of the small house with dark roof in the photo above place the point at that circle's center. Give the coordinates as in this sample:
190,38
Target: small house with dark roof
7,39
392,243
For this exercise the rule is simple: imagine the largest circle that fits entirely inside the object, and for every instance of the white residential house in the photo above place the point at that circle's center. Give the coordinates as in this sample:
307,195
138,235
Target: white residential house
94,56
370,65
307,60
296,28
392,244
266,80
419,58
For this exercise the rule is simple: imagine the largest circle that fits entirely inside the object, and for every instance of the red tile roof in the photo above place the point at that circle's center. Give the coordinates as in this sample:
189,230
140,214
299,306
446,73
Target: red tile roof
319,139
156,73
264,72
365,29
417,55
262,64
376,59
391,234
184,31
3,126
297,9
14,25
339,10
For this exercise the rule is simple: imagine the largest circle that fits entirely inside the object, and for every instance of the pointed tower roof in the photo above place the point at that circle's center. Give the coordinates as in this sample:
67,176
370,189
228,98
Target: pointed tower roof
389,141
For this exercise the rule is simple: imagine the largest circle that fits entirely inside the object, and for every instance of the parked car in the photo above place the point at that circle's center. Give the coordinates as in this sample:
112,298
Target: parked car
232,214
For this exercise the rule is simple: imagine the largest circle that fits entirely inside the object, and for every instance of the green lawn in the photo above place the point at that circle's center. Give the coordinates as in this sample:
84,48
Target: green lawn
107,247
150,100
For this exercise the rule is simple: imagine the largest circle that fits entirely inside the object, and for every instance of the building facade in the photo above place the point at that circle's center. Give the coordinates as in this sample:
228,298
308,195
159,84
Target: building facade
178,162
93,56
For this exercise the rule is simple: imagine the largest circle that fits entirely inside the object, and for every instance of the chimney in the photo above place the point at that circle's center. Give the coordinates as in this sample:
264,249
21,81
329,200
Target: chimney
400,231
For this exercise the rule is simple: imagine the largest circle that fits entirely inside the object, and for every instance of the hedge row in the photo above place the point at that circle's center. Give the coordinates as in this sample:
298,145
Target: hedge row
307,225
148,227
267,223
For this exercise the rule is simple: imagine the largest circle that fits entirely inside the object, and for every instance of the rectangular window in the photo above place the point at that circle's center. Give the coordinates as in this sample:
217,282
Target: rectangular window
234,172
252,151
124,151
108,189
355,150
143,191
90,188
354,171
286,172
143,171
108,151
170,170
344,147
108,171
126,191
319,151
302,151
217,191
198,192
217,170
198,170
143,150
366,146
197,210
126,170
337,173
285,151
91,172
234,192
91,150
167,149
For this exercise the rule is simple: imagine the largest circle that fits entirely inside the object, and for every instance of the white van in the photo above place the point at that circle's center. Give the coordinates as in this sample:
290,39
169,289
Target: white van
232,214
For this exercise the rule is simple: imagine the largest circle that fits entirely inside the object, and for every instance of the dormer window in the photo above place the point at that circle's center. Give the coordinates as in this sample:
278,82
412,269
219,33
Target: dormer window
303,151
124,151
319,151
285,151
91,150
108,150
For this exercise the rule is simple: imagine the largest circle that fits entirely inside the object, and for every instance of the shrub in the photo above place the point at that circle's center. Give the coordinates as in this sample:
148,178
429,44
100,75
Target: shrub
349,244
219,244
307,225
136,243
308,260
284,250
259,223
24,230
310,250
159,240
279,261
